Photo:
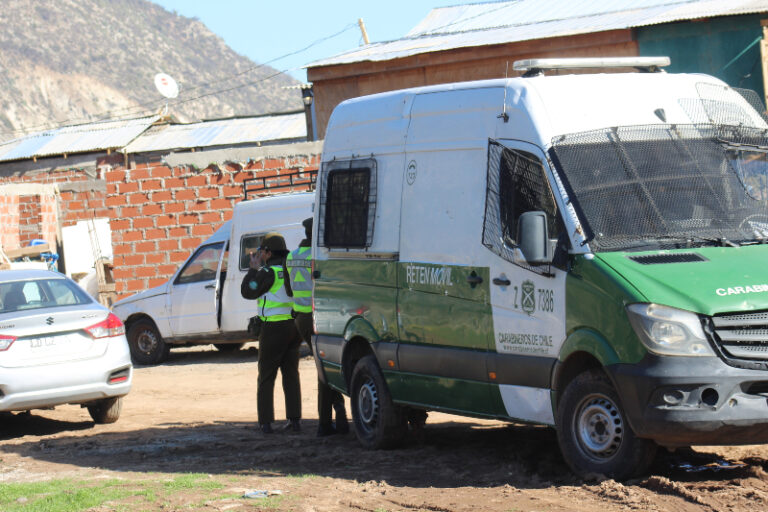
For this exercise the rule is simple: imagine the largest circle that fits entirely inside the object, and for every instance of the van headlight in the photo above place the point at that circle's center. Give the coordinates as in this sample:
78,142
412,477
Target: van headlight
669,331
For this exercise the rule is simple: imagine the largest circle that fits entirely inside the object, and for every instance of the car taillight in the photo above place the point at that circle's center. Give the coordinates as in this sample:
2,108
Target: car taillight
6,342
112,326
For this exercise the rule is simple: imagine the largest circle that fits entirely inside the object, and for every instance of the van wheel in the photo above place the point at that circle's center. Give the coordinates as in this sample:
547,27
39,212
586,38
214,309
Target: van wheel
378,422
106,411
228,347
593,432
146,344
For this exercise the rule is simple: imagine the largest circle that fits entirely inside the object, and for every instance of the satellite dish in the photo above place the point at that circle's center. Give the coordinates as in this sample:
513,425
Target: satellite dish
166,85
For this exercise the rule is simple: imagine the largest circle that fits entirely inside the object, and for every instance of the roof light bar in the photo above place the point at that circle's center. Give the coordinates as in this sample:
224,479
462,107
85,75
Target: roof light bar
536,66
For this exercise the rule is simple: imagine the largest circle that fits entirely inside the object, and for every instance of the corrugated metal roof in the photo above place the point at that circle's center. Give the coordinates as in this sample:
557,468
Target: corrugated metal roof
483,24
226,132
82,138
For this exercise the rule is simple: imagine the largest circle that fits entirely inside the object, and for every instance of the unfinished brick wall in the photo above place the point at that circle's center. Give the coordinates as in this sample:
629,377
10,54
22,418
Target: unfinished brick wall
29,219
161,214
9,227
27,216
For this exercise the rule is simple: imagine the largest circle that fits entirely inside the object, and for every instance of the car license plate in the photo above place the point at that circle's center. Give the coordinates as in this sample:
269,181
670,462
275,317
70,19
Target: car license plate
47,342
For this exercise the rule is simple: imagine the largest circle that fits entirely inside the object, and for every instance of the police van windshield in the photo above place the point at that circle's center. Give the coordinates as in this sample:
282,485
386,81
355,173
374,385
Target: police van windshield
668,186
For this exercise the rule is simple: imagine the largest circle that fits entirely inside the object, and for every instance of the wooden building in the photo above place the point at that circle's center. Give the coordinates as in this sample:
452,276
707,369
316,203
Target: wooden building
479,41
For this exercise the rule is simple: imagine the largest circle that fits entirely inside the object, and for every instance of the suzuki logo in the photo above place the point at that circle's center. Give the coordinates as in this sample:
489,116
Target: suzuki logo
49,320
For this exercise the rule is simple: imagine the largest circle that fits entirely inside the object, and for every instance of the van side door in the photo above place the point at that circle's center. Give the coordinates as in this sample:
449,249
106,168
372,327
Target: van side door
194,293
443,302
528,301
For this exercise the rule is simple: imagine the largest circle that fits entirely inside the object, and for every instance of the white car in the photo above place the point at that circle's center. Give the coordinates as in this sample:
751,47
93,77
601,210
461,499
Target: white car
201,303
58,346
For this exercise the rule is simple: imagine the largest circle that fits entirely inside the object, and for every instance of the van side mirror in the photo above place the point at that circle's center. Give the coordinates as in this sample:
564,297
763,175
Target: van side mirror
533,238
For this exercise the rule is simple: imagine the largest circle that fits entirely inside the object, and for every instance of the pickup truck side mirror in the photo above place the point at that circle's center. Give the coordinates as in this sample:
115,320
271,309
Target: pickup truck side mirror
533,238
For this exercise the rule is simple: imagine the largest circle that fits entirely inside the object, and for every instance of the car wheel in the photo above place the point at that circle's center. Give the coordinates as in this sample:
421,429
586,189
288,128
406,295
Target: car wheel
146,344
228,347
379,423
594,435
106,411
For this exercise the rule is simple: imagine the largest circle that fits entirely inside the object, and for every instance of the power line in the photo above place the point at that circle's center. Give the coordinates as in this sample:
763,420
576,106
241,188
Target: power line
154,105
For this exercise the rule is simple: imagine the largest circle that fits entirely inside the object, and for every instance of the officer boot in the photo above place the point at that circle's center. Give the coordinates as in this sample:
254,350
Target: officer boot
342,425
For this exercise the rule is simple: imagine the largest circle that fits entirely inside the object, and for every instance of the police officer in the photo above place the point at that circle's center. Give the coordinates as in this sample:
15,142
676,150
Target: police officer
279,340
300,276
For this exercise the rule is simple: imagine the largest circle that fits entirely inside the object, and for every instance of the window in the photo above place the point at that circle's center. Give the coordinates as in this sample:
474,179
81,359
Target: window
523,188
347,209
41,293
517,183
248,244
202,266
752,170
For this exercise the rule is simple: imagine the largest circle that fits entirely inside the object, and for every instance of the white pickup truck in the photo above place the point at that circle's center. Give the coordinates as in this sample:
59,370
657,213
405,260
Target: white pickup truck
201,302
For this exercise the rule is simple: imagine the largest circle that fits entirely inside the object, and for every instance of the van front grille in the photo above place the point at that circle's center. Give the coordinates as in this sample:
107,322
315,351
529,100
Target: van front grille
743,335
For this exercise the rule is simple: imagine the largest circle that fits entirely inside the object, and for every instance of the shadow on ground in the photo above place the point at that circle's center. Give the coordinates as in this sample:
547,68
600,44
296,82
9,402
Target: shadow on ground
206,354
447,455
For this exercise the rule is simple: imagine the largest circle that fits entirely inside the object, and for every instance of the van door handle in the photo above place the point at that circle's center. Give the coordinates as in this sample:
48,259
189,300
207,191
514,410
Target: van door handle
210,286
501,281
474,279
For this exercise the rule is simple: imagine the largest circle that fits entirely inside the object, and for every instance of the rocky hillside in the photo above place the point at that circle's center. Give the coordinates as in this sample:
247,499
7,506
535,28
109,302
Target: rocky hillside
75,61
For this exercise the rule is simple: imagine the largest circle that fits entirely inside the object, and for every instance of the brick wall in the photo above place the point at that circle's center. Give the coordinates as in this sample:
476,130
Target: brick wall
29,219
28,213
9,226
160,214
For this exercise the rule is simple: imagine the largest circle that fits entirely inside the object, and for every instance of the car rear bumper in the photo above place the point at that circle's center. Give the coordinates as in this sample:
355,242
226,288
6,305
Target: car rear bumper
72,382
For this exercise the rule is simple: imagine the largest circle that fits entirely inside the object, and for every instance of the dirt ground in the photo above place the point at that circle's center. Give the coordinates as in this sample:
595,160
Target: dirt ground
196,414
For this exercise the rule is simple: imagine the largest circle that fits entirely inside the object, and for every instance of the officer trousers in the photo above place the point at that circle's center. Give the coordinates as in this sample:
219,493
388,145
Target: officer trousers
327,398
278,350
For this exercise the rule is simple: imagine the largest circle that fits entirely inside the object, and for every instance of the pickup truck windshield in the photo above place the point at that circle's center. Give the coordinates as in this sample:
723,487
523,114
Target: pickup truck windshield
667,186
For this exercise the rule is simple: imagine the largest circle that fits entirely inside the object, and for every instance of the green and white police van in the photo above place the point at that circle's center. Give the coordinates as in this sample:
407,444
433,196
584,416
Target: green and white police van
585,251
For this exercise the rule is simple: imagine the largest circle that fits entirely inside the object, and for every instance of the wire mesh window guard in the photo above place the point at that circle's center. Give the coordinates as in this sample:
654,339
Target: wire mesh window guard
347,204
517,183
667,186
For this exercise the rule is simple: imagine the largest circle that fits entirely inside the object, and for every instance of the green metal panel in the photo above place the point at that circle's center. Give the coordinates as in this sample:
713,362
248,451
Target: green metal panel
349,289
437,305
461,396
596,297
710,46
731,279
334,377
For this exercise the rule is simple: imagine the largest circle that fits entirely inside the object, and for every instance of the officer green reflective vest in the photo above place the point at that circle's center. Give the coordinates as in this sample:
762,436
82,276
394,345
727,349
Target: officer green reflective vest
299,265
275,305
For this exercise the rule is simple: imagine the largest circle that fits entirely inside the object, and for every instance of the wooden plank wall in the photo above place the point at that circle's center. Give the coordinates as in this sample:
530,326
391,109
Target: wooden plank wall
334,84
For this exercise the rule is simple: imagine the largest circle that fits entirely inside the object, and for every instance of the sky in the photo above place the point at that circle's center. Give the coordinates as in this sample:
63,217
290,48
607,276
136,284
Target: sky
263,30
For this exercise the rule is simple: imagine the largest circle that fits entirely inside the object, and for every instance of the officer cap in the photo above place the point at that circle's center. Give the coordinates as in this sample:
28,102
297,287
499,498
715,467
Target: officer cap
274,242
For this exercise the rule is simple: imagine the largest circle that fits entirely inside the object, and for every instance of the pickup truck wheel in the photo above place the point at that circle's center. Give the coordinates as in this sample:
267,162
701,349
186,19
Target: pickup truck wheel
378,422
594,434
228,347
146,344
106,411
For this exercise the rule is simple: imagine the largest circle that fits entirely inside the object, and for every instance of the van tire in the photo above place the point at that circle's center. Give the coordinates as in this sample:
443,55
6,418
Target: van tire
594,435
106,411
146,344
379,423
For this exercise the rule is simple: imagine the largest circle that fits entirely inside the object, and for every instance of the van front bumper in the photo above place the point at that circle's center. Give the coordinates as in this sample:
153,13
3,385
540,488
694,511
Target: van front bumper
681,401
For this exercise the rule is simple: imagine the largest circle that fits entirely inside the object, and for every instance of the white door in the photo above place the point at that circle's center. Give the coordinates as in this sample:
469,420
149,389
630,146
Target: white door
194,293
528,302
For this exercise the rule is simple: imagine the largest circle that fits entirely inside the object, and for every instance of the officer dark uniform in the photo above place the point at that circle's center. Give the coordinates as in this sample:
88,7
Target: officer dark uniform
300,276
279,340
